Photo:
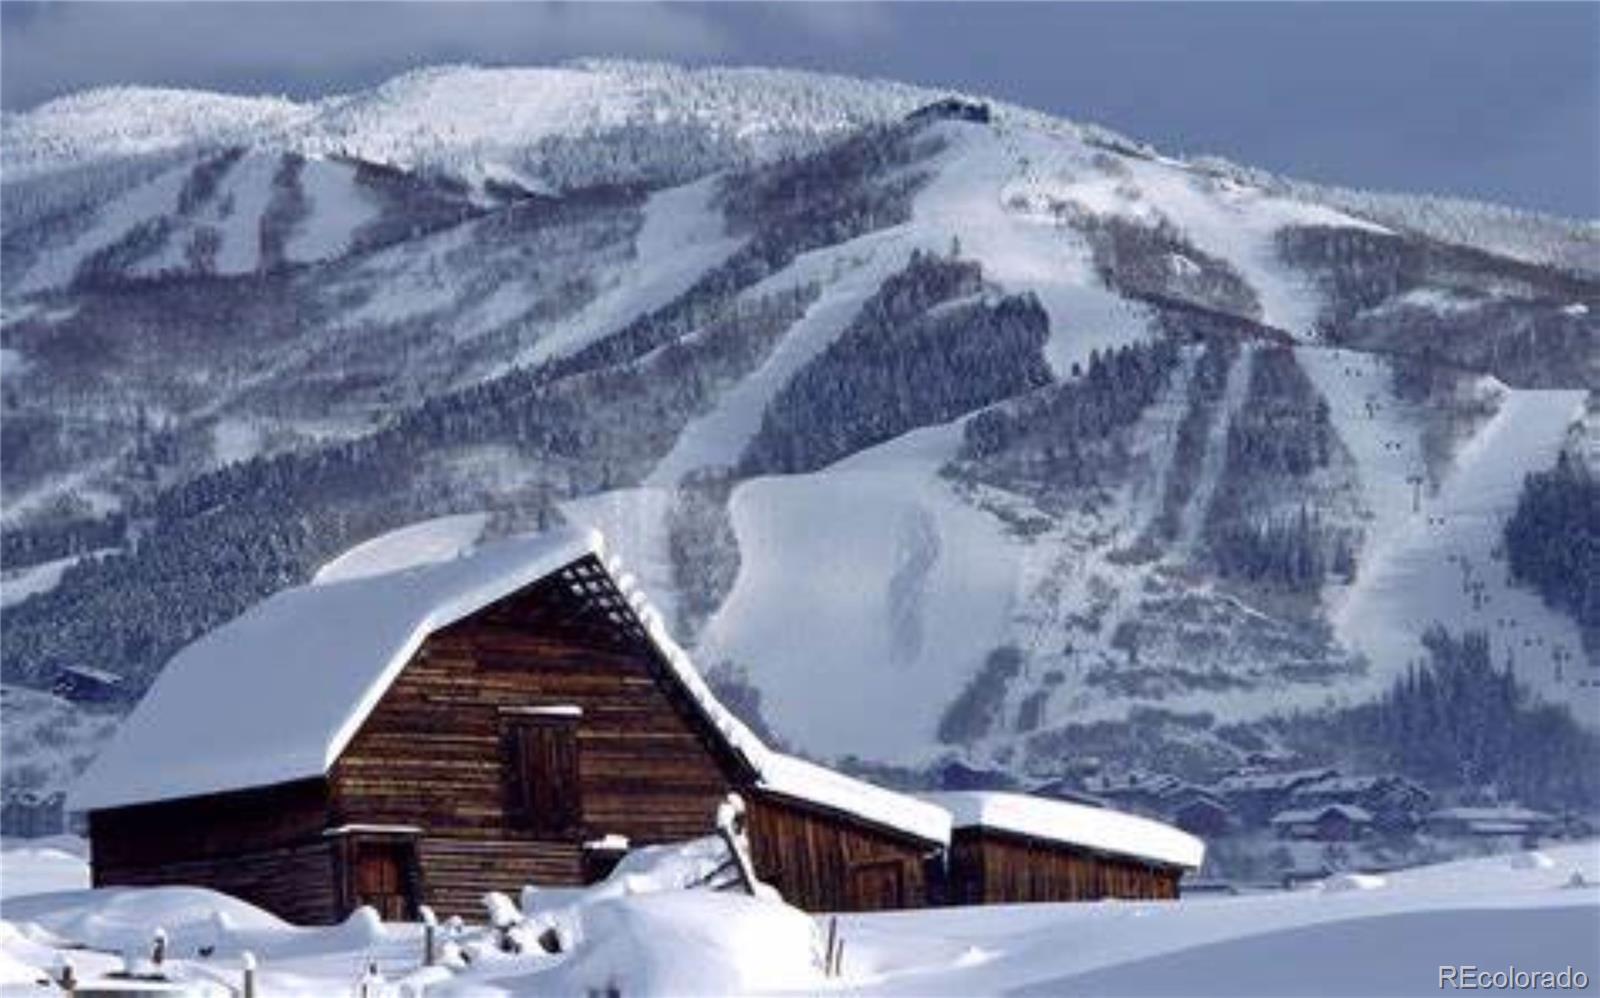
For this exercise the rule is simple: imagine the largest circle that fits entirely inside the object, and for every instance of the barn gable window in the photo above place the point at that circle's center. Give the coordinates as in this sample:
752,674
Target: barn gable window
541,746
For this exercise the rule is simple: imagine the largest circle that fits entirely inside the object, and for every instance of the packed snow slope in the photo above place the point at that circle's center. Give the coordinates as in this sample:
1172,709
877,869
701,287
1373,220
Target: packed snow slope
1380,936
1009,422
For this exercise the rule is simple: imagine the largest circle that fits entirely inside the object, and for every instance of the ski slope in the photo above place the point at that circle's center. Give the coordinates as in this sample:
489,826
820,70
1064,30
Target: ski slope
894,606
848,274
1434,555
683,236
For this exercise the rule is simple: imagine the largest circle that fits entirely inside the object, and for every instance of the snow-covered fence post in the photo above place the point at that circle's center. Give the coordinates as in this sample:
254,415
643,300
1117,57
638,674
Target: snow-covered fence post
63,974
503,917
158,948
731,828
827,952
430,928
248,985
833,957
371,983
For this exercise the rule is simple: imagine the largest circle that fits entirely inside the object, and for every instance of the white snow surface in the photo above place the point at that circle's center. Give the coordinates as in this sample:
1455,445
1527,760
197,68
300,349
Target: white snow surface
868,641
1383,936
1441,561
1097,828
683,236
18,585
44,865
411,546
339,207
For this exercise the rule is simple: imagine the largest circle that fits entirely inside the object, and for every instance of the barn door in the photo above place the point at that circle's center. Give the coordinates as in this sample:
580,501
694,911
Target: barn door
544,793
383,877
877,885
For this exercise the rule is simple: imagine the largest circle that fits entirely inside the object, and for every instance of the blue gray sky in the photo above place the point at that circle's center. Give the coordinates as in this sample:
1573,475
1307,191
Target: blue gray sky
1497,101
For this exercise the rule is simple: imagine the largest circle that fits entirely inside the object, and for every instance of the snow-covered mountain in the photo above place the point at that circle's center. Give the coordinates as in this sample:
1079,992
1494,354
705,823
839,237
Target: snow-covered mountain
963,431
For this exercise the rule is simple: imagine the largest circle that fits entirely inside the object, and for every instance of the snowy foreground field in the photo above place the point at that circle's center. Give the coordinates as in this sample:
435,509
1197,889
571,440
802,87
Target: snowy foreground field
1353,935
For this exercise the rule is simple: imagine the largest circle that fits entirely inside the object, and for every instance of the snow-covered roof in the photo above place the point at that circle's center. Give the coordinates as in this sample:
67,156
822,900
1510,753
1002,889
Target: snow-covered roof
277,694
1307,815
1096,828
792,777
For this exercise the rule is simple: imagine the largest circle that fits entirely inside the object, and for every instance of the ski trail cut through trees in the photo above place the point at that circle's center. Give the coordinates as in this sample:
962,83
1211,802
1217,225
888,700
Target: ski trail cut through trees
1233,399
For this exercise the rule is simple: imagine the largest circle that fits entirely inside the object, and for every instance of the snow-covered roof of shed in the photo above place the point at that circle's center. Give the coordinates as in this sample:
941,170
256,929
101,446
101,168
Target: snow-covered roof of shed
792,777
1095,828
276,694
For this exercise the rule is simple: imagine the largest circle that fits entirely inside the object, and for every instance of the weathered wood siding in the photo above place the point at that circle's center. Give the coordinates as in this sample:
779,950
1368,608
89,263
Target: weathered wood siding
992,867
213,825
264,846
296,882
824,861
434,752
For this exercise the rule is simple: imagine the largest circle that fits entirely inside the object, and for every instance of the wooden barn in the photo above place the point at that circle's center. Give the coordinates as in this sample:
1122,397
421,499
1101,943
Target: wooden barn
1007,848
426,733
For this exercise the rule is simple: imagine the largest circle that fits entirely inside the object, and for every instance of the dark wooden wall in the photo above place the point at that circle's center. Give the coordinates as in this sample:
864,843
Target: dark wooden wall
212,825
296,882
433,751
824,861
264,846
992,867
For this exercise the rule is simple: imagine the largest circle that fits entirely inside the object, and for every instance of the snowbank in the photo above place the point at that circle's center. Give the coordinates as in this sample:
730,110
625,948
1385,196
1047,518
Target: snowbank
688,943
38,866
657,940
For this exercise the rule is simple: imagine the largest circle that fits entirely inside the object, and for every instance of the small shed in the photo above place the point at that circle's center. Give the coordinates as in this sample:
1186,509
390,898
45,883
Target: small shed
1007,848
1494,821
1204,815
425,732
29,814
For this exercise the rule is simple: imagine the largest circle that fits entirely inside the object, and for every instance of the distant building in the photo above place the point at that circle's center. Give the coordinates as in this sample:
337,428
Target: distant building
953,109
1070,791
29,814
957,775
1508,820
1328,823
83,684
1139,791
1256,796
1204,815
1396,803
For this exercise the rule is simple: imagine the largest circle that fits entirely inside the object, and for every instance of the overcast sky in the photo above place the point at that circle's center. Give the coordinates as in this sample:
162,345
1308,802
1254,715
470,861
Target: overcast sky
1493,101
